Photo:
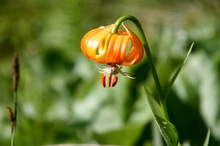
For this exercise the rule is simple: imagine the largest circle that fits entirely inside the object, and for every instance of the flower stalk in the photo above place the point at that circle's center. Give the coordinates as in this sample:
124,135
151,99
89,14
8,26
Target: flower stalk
13,113
143,39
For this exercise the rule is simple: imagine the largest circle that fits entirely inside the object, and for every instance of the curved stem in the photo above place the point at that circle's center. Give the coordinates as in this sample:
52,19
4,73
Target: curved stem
143,39
146,47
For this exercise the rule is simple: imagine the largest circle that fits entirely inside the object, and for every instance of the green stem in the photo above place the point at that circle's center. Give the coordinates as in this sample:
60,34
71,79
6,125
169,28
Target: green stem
15,106
150,59
146,47
164,111
15,119
12,137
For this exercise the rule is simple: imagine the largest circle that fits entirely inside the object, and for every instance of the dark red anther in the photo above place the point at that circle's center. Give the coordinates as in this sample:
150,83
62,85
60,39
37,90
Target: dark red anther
109,80
102,79
115,80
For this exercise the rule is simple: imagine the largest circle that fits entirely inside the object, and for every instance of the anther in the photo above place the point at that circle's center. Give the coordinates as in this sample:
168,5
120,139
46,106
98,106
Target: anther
102,79
115,80
109,80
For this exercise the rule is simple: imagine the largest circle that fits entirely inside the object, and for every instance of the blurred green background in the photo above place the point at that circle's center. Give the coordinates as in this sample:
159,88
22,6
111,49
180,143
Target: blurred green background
60,97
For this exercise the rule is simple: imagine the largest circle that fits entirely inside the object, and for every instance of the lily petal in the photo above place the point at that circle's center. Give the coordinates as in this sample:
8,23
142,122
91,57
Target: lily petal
91,41
137,50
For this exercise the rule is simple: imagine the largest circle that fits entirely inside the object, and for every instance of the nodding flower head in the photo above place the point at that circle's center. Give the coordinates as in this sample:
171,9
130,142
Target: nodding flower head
115,50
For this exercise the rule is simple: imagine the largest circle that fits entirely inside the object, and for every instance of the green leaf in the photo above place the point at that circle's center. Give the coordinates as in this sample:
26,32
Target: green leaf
178,71
167,130
206,142
154,105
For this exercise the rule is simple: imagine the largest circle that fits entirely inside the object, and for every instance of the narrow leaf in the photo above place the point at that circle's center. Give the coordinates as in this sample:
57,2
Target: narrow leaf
167,130
206,142
178,71
154,105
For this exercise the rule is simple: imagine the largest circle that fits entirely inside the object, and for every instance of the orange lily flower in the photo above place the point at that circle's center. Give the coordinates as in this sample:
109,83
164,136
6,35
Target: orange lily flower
113,49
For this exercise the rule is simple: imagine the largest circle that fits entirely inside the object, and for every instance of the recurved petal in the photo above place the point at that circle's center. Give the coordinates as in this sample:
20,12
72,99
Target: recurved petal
137,51
90,42
86,38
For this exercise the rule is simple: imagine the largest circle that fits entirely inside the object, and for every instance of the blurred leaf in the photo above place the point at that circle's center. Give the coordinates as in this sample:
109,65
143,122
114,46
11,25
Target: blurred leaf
126,135
81,145
109,124
198,85
167,130
206,142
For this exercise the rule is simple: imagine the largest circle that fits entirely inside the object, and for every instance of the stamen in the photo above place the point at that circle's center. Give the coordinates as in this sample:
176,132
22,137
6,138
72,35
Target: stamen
115,80
109,80
112,70
102,79
126,74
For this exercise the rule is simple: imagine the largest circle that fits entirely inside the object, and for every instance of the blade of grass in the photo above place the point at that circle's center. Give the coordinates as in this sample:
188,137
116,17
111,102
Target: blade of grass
178,71
206,142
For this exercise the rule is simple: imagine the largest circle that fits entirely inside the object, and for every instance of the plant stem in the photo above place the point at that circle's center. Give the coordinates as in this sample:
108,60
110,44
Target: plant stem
143,39
15,80
147,50
14,119
164,111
